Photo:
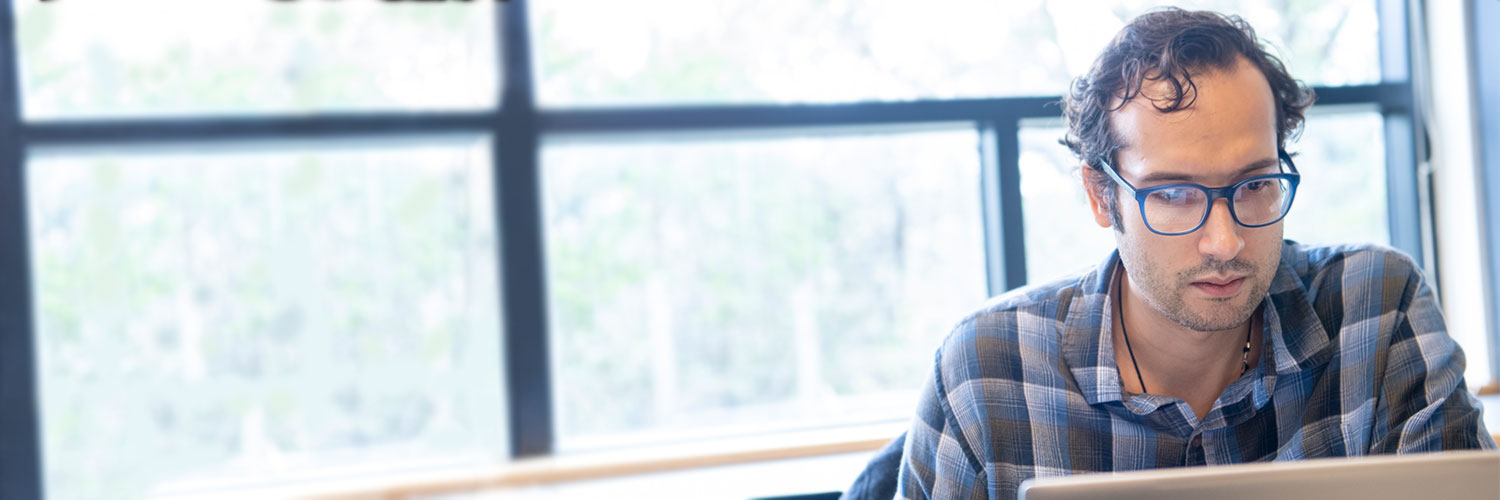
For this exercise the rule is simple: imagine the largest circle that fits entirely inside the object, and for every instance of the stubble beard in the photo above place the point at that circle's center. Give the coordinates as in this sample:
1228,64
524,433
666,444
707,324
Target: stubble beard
1216,315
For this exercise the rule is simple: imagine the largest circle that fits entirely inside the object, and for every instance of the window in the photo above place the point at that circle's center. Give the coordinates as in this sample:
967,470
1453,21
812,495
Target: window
1342,198
97,58
1053,198
683,51
727,285
303,303
211,315
291,241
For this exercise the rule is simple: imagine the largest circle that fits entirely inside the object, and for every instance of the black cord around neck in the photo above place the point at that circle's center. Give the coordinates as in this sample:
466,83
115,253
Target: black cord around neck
1120,305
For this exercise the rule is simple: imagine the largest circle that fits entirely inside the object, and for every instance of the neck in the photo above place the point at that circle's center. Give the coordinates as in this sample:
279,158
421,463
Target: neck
1174,360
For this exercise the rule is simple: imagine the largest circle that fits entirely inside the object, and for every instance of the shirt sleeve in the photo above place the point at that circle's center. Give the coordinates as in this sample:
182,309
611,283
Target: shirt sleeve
1424,401
937,462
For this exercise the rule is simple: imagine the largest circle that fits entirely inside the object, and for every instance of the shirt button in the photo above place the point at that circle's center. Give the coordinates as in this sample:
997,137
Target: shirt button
1198,440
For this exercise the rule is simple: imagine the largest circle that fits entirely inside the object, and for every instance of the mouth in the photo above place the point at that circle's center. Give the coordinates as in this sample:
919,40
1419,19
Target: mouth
1219,287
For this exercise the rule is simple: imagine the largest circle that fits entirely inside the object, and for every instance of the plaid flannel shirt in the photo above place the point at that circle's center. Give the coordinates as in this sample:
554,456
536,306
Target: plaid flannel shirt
1356,361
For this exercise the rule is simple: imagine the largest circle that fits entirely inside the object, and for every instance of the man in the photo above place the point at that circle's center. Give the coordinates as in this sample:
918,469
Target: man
1206,338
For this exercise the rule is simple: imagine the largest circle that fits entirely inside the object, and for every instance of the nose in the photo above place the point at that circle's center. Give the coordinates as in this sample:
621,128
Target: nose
1219,237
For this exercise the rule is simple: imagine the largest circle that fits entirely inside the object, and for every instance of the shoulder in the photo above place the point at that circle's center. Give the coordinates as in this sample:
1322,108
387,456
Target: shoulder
1338,269
1329,296
1002,315
995,333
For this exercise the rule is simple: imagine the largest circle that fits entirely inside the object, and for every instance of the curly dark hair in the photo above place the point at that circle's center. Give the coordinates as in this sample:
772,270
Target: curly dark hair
1167,46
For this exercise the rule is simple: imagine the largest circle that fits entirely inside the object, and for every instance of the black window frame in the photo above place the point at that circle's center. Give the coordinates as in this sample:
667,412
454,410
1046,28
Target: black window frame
517,127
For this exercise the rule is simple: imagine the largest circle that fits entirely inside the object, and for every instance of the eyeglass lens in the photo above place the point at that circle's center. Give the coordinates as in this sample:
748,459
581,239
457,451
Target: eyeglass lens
1180,209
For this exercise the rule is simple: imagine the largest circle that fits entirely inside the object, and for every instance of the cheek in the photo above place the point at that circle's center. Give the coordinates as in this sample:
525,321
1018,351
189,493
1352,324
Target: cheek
1265,242
1157,258
1263,247
1168,253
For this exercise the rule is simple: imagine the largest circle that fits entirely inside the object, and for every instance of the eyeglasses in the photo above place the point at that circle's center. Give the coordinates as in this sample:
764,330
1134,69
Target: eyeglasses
1176,209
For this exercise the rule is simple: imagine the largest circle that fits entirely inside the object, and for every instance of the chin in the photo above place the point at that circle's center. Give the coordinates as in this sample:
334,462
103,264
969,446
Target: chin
1222,315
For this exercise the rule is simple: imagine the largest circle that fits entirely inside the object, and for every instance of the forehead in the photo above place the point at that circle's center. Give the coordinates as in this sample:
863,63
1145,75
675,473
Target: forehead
1231,124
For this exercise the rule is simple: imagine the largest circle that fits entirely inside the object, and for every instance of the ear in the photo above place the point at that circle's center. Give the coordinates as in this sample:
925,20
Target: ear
1092,189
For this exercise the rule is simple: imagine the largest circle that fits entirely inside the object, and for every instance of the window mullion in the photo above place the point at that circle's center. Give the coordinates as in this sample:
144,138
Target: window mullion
518,202
1401,148
20,463
1000,184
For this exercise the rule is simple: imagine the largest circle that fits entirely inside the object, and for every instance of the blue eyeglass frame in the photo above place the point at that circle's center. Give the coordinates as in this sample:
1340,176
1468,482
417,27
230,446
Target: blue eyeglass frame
1213,194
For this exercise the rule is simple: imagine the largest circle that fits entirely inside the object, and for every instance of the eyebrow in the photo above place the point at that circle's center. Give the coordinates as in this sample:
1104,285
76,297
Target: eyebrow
1177,176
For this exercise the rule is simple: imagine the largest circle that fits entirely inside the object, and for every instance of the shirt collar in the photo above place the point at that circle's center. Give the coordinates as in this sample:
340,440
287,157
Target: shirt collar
1088,347
1303,344
1298,340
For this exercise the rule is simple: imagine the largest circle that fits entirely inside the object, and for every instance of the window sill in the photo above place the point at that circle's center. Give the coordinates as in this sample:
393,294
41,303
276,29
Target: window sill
853,444
1491,405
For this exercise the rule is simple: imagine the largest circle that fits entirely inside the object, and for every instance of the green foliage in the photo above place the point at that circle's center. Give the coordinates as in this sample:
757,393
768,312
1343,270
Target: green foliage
234,306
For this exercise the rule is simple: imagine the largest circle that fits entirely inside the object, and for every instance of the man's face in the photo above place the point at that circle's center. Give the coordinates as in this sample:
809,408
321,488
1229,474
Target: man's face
1213,278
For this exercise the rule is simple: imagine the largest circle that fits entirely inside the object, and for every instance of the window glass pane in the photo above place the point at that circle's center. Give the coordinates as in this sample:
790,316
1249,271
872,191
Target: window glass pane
82,58
1061,236
219,318
1341,199
725,285
1334,42
657,51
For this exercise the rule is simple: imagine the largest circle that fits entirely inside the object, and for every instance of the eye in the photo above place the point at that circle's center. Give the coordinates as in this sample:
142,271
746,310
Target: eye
1257,185
1174,196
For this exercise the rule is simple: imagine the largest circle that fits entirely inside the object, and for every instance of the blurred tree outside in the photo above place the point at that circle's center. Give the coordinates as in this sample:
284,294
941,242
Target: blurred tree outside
751,281
228,315
685,51
105,58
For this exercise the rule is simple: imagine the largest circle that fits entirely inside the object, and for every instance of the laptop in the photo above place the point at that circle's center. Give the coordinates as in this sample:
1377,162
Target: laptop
1453,475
